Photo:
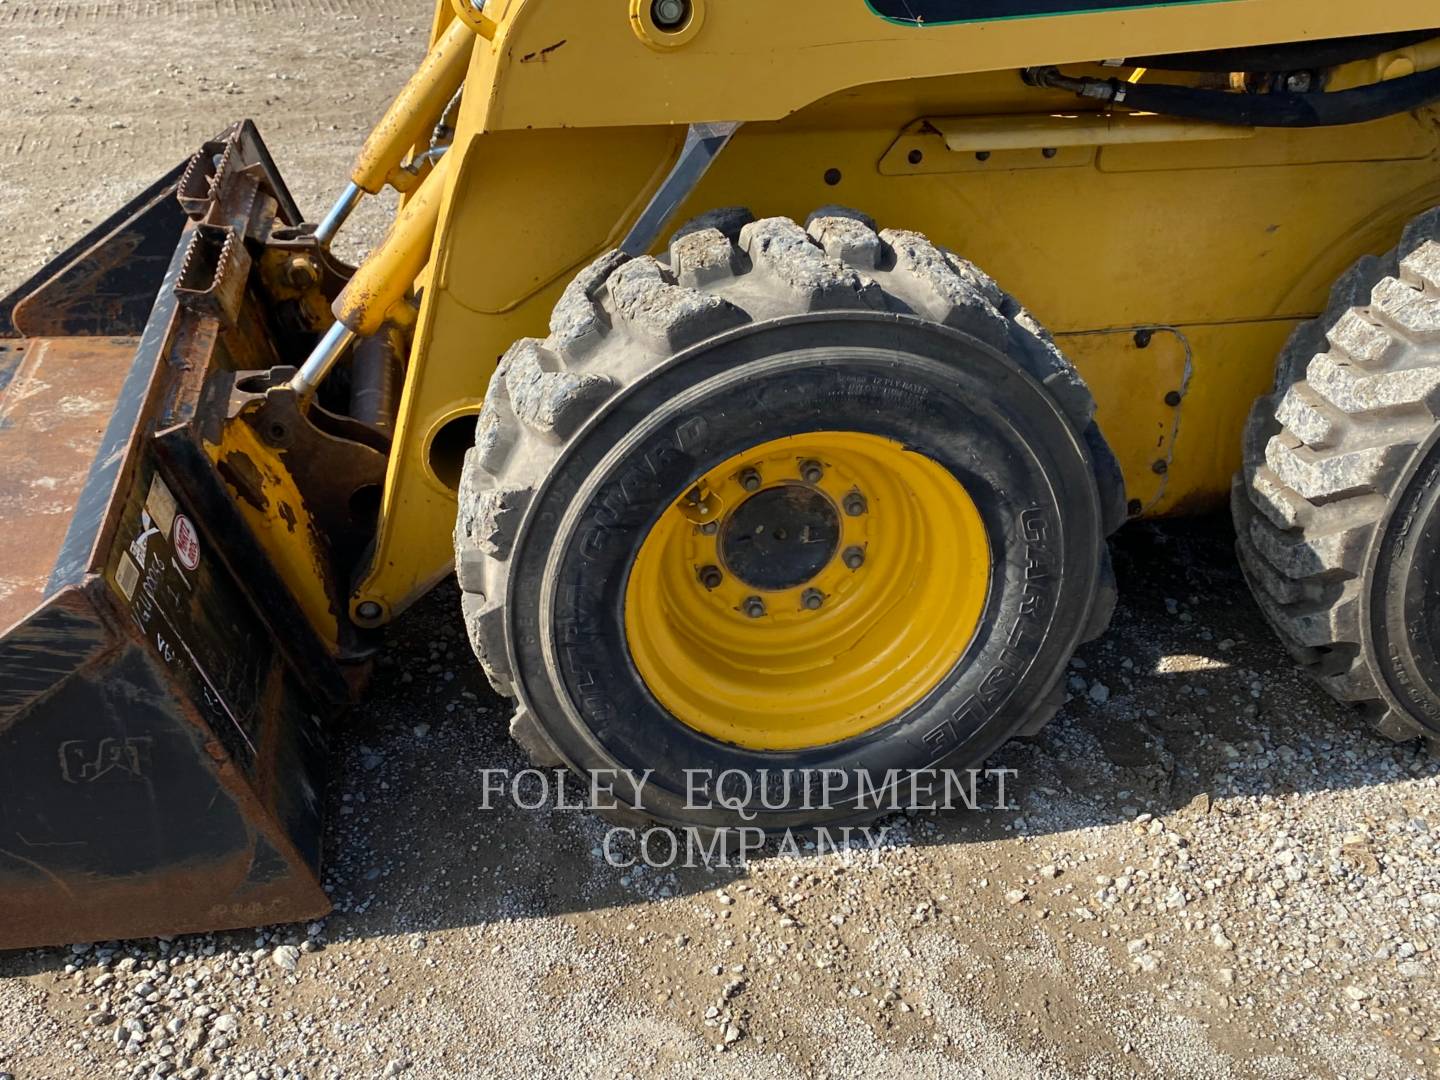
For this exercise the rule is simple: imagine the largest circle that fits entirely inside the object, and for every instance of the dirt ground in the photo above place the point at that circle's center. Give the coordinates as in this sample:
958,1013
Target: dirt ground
1204,868
99,97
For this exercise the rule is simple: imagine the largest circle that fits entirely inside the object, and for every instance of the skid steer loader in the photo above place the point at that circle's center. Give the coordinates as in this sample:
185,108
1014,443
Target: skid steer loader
820,484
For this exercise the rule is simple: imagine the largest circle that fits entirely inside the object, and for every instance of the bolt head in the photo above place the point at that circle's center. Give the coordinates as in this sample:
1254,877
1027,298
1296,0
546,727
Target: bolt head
669,14
812,599
753,606
710,528
369,609
855,504
750,480
302,272
854,557
711,577
812,472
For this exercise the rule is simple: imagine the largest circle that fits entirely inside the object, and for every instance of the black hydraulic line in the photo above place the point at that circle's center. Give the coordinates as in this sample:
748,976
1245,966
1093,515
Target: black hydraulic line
1280,109
1292,56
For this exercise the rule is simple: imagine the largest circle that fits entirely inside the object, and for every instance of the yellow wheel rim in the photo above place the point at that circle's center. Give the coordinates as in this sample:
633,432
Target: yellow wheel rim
807,591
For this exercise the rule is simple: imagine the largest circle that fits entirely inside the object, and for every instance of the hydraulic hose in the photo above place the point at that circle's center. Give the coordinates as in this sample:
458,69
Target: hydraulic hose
1296,56
1281,109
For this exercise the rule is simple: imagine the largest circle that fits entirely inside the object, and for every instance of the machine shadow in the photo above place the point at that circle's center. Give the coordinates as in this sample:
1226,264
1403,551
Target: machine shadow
1186,702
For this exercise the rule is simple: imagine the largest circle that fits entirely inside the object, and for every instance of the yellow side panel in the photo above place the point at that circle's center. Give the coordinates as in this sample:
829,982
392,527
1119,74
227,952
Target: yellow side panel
1234,365
1137,376
524,213
1231,256
1172,402
578,63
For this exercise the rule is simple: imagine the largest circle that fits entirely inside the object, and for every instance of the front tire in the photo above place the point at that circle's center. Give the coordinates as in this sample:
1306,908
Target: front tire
789,500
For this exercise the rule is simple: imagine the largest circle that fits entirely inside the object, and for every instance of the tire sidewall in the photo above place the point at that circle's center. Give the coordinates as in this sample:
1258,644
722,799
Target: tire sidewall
1402,626
938,392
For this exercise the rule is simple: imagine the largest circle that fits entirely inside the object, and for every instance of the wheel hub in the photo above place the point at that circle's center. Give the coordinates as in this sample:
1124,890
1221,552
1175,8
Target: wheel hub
807,590
780,538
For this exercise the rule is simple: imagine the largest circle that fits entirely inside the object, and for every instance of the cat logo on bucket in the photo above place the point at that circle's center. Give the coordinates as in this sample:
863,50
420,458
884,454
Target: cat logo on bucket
187,542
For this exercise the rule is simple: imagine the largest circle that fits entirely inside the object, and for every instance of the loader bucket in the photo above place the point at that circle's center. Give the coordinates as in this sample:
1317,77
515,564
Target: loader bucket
161,702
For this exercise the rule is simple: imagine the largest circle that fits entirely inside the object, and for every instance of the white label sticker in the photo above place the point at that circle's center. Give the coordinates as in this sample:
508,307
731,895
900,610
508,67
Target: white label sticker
187,542
160,504
127,574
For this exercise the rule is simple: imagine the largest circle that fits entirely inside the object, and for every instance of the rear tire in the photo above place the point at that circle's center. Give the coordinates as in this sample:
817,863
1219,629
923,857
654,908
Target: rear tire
1335,508
658,371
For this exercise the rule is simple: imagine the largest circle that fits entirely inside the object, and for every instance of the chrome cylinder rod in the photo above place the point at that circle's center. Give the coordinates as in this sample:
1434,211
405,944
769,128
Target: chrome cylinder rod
349,199
324,357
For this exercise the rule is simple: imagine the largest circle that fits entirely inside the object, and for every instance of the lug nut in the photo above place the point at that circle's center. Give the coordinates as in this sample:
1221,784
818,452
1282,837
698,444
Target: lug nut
812,599
854,557
753,607
710,528
750,480
855,504
711,577
811,472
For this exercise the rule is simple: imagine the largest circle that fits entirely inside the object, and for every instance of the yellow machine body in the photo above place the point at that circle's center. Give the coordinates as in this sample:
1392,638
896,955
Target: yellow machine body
1170,258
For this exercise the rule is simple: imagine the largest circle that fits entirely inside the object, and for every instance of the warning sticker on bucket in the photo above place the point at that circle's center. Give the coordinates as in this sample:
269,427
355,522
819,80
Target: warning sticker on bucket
127,576
194,618
186,541
160,504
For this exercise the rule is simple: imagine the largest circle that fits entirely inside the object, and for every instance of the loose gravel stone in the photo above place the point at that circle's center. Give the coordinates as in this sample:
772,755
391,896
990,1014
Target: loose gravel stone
286,957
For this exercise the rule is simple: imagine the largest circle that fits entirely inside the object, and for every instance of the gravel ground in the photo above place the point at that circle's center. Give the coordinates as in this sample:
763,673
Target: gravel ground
1203,868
